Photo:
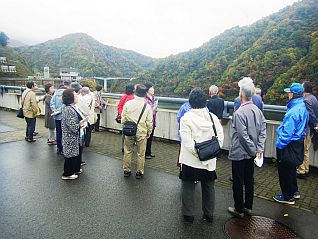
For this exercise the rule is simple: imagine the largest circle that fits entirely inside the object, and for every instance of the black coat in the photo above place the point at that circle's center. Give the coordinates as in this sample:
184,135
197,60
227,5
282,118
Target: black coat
49,120
215,105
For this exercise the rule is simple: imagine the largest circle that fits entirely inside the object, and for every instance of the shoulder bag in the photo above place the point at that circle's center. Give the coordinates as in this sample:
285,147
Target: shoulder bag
20,111
208,149
130,127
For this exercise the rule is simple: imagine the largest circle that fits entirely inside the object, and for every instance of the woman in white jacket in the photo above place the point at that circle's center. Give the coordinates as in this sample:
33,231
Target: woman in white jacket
196,126
86,105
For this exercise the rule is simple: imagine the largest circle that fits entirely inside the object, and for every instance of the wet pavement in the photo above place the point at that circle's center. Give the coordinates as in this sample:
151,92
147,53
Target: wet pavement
36,203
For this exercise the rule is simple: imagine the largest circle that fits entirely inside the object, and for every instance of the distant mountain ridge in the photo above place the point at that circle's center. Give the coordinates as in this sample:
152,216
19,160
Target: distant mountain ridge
81,51
274,51
16,43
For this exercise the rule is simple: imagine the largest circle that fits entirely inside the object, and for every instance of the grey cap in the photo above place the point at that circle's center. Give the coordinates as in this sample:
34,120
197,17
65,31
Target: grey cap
76,86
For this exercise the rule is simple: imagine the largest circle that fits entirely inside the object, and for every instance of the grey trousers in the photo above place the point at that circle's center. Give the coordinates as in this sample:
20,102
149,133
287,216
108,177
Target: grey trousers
187,197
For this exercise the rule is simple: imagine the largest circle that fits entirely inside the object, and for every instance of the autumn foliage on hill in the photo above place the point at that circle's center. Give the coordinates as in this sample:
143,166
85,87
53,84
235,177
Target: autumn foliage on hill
275,51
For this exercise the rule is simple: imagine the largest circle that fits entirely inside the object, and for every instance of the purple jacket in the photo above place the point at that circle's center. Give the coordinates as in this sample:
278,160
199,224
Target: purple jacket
153,104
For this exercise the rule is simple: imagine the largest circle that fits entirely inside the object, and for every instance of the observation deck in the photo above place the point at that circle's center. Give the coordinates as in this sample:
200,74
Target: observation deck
36,203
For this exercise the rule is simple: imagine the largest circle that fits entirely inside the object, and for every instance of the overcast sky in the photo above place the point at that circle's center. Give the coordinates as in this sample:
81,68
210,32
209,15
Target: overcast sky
155,28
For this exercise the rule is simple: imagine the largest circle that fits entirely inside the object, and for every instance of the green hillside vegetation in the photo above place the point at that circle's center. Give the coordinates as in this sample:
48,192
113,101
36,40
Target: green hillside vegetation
14,59
85,53
275,51
306,69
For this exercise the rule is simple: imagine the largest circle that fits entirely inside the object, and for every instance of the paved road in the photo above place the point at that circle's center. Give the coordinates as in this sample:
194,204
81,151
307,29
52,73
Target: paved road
36,203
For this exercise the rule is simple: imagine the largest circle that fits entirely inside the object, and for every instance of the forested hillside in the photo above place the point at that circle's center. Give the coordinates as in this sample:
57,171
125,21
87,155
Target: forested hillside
275,51
14,59
85,53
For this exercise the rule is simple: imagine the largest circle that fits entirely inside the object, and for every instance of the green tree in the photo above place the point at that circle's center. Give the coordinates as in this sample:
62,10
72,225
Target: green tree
3,39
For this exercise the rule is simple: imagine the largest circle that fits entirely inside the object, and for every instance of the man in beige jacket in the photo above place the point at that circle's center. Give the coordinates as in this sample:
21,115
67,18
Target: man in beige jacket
30,109
131,112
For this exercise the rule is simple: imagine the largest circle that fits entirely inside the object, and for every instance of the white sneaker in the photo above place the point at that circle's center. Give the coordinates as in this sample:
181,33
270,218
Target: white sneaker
70,177
79,172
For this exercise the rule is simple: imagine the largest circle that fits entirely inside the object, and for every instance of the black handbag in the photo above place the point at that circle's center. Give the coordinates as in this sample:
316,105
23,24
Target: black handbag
208,149
130,127
20,111
118,119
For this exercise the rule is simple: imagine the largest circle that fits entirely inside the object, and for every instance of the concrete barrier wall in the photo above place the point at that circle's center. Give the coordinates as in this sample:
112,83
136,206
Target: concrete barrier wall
167,126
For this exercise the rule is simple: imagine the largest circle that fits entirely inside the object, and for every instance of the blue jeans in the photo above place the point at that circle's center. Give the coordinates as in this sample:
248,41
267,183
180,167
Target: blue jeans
59,135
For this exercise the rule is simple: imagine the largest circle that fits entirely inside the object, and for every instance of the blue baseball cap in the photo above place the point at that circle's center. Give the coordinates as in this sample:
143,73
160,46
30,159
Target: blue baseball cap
295,88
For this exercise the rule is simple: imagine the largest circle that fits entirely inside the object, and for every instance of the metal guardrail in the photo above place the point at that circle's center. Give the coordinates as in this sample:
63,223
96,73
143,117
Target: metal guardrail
228,105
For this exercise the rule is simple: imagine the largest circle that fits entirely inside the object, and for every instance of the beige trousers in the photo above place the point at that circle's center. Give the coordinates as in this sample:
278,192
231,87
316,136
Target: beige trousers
129,149
304,167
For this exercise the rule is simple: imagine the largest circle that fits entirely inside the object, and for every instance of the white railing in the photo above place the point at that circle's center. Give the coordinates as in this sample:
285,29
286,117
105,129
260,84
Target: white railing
166,124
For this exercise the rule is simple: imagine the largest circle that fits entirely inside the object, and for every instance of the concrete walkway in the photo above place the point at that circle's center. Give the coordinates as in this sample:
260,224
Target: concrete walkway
36,203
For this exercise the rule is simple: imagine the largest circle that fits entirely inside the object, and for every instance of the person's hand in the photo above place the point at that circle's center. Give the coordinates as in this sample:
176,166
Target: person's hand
316,128
55,113
259,154
40,98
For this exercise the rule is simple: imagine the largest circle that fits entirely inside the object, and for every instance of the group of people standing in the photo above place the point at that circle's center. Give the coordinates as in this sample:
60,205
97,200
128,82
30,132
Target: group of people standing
72,111
248,136
197,118
75,108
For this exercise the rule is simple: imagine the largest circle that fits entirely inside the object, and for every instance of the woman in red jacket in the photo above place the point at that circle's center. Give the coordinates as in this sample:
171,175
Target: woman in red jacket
126,97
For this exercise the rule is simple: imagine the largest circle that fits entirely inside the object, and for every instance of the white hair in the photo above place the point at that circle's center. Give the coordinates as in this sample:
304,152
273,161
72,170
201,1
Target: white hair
85,90
247,90
245,80
213,89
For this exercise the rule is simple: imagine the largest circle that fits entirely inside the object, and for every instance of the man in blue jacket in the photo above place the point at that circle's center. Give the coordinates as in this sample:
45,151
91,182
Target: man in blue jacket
56,105
290,144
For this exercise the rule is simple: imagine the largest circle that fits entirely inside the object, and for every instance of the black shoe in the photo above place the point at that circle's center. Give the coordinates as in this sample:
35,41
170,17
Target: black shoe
188,219
35,133
207,218
31,140
60,152
248,212
139,175
26,138
83,163
301,176
235,213
152,155
127,174
122,150
148,157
